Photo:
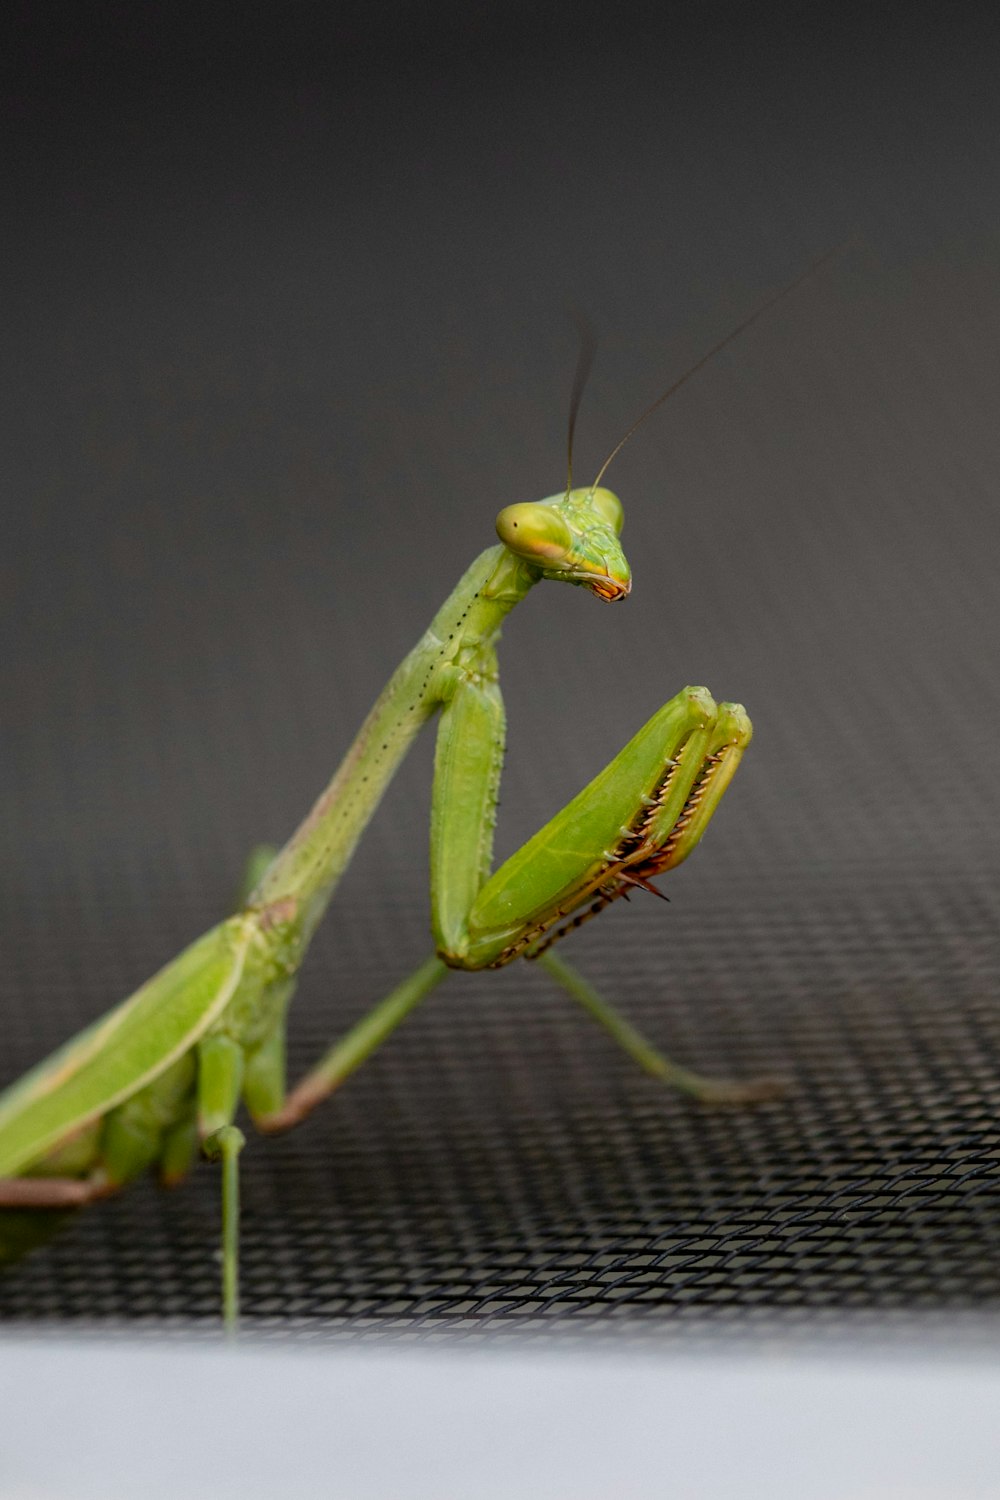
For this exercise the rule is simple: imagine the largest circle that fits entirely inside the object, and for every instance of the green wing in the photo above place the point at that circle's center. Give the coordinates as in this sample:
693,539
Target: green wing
124,1050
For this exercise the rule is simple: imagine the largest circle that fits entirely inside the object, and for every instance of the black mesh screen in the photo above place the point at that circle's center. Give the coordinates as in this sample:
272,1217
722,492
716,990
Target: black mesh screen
270,380
500,1163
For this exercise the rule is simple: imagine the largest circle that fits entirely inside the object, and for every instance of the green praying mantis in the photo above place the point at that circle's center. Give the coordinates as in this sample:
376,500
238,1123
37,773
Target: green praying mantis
162,1076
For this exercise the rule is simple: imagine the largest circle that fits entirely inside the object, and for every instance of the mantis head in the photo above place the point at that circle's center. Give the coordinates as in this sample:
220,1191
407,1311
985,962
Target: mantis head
572,537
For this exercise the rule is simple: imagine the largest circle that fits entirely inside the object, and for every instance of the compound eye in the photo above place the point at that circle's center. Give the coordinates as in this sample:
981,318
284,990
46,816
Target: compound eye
535,532
609,508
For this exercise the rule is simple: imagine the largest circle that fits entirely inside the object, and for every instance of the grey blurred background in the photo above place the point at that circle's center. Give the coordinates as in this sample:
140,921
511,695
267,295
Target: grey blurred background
286,323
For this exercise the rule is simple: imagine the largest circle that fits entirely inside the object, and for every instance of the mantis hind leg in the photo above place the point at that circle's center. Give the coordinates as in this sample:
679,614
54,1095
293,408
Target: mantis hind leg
652,1061
53,1192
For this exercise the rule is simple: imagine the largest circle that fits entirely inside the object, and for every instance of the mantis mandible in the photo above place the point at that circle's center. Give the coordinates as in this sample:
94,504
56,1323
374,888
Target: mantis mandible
163,1074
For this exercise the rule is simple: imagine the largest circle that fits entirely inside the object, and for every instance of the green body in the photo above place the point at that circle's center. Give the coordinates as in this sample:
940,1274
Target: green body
169,1066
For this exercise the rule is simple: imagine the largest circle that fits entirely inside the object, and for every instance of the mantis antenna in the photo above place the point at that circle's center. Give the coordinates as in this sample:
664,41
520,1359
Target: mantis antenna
700,363
584,364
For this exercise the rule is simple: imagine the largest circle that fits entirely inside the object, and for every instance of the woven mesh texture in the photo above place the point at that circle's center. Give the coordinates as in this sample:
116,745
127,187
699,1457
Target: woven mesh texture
250,450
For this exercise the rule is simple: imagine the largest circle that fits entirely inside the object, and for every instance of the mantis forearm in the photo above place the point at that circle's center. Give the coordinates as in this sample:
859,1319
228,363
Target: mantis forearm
641,815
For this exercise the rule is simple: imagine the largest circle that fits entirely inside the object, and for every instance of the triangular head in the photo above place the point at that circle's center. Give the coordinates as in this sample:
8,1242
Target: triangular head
573,537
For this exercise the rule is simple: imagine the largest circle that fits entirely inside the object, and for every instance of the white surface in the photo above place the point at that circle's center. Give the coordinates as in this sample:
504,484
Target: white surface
126,1422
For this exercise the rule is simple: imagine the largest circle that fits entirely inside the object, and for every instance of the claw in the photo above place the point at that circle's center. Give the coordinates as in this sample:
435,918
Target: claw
647,885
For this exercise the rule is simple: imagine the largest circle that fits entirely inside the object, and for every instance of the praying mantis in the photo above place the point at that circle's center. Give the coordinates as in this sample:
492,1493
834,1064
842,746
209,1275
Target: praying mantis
162,1076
